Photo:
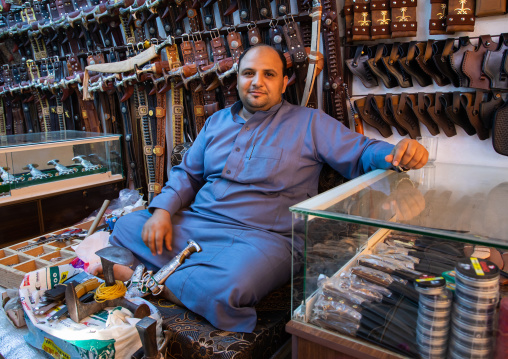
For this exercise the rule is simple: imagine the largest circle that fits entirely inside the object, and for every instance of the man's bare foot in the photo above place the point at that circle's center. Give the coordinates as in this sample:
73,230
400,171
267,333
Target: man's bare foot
120,272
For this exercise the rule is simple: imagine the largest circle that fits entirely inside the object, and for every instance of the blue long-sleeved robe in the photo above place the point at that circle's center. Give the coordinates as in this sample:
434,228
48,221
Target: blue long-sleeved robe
232,194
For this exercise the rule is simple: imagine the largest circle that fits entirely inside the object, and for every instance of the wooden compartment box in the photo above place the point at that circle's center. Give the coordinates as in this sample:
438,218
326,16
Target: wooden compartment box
58,256
30,266
40,251
6,253
14,259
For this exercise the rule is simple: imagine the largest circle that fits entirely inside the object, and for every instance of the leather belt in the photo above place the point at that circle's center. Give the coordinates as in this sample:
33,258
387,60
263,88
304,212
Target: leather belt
3,131
198,113
334,64
87,107
146,152
176,99
219,53
210,100
159,149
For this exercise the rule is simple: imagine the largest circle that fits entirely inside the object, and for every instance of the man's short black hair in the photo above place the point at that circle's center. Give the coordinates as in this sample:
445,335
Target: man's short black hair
281,55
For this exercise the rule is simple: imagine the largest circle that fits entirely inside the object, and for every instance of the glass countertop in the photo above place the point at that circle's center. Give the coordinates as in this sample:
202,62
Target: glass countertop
450,201
36,138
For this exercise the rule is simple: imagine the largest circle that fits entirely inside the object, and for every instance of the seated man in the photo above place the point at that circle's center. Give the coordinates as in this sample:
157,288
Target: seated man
232,192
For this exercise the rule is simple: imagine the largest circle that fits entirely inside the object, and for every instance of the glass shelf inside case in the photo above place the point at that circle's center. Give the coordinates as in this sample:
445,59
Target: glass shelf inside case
38,164
377,259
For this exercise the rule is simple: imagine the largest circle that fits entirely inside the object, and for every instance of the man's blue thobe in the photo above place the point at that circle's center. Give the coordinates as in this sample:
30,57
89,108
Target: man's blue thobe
231,194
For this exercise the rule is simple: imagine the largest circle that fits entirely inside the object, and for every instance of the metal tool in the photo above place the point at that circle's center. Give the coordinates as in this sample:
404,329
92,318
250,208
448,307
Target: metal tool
109,256
155,283
147,332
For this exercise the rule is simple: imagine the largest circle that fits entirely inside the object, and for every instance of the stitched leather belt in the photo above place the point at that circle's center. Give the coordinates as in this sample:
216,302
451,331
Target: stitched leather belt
159,149
141,115
219,53
176,98
198,113
2,118
210,100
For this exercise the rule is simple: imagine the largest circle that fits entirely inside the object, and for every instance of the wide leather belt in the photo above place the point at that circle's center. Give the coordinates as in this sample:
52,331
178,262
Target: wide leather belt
198,112
2,118
334,65
219,53
176,99
209,98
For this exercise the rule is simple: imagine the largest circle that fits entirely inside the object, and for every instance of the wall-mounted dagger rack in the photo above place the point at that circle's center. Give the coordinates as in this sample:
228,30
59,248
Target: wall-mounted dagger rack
46,45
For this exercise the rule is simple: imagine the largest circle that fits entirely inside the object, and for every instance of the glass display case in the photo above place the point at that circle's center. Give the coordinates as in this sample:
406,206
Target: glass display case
37,164
368,253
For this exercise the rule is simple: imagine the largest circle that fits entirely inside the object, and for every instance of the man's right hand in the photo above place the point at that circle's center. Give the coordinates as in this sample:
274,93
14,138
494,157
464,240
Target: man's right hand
158,230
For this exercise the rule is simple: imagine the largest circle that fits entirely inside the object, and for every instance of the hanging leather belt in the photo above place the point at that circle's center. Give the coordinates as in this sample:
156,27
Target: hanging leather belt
2,118
219,53
210,100
132,170
334,63
176,99
141,104
159,149
42,103
197,96
59,104
88,110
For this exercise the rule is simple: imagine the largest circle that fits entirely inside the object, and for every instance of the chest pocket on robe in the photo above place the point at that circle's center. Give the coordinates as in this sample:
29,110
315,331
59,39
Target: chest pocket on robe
261,164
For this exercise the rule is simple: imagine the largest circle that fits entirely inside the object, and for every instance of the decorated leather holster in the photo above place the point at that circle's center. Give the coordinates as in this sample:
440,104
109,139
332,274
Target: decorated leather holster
473,60
410,65
359,67
493,64
367,113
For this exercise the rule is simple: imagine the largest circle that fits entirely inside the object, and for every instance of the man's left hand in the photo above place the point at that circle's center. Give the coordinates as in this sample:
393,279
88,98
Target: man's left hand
409,154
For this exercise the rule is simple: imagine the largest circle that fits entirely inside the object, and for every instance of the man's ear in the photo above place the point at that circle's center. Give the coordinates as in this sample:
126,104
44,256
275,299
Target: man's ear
285,80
